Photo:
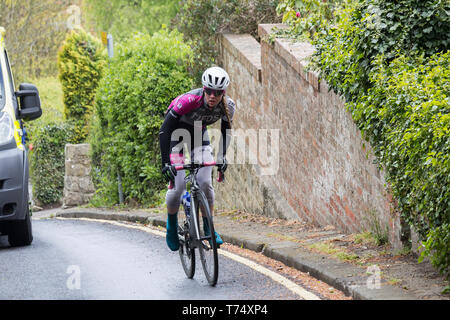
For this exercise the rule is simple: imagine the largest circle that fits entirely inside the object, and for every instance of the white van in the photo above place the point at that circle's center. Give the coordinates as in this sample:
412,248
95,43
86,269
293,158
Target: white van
15,106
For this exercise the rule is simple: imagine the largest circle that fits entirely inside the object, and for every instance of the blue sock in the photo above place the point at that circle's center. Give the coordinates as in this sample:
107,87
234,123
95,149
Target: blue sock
219,240
172,232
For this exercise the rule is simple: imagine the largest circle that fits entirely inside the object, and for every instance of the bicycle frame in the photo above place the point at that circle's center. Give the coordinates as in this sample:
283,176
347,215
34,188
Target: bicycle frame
194,189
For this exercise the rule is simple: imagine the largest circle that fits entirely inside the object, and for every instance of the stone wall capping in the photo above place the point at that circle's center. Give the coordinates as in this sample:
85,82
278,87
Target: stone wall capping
296,54
247,50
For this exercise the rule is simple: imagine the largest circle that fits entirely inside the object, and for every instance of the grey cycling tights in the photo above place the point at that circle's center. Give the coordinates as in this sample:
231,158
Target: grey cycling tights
200,154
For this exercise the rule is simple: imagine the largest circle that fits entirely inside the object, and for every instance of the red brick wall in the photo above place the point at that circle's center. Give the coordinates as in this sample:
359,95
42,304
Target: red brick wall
326,173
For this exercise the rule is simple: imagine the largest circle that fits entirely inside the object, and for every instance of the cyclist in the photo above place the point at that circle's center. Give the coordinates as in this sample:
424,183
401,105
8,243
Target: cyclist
193,112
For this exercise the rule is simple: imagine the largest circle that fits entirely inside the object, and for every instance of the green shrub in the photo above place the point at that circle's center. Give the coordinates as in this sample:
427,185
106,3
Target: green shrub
338,59
368,30
201,21
146,74
48,161
80,63
406,117
305,17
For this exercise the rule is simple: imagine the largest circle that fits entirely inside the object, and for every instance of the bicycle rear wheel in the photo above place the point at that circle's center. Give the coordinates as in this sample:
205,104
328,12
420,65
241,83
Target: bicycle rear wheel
208,246
187,255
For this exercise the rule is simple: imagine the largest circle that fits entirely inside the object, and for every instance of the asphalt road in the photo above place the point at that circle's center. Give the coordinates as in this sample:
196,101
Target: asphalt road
79,259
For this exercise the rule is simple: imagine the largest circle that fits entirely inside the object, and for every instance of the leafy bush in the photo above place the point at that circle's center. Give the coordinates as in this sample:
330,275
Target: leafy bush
406,117
145,75
381,30
48,161
201,21
80,63
305,17
388,26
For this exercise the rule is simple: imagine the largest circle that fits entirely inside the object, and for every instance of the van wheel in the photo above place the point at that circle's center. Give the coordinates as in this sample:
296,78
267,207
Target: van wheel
20,232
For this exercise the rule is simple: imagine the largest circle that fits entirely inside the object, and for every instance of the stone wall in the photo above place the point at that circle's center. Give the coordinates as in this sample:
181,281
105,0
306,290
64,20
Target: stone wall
326,173
78,186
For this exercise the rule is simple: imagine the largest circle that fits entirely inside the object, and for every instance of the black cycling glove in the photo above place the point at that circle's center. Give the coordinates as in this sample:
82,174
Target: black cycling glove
169,172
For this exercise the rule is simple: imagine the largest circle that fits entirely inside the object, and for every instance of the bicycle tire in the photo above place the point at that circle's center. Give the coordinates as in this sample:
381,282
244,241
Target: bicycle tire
187,255
208,247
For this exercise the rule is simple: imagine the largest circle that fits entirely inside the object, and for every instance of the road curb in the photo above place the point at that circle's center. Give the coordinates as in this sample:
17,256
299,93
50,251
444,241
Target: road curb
342,276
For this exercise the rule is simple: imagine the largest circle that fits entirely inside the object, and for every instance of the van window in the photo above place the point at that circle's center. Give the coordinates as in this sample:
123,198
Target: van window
11,79
11,84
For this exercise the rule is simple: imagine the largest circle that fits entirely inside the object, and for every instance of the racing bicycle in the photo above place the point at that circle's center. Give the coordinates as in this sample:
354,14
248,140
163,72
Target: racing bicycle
196,231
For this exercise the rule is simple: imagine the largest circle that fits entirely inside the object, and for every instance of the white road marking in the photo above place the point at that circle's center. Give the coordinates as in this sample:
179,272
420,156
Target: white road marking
295,288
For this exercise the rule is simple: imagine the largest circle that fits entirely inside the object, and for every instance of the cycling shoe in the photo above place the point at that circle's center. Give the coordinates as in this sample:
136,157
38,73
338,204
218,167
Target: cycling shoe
172,232
219,240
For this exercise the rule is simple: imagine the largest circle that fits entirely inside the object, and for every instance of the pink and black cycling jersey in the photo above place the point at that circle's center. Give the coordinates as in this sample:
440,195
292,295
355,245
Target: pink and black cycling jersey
189,109
192,107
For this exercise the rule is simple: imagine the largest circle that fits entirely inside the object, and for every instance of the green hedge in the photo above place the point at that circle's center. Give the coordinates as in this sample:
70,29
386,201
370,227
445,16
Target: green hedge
305,17
146,74
81,60
390,61
367,33
48,161
406,117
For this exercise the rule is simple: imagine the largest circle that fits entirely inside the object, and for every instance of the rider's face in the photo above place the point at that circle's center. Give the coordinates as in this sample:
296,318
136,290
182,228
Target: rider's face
213,99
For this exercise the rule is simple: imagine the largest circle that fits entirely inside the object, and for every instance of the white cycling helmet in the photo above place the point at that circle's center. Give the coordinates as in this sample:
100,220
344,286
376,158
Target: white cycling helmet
215,78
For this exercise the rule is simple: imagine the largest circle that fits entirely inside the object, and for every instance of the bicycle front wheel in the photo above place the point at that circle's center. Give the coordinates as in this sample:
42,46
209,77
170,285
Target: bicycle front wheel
208,246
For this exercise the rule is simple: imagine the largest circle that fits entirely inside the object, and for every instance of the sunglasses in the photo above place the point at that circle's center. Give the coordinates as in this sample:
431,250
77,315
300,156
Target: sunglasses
216,93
